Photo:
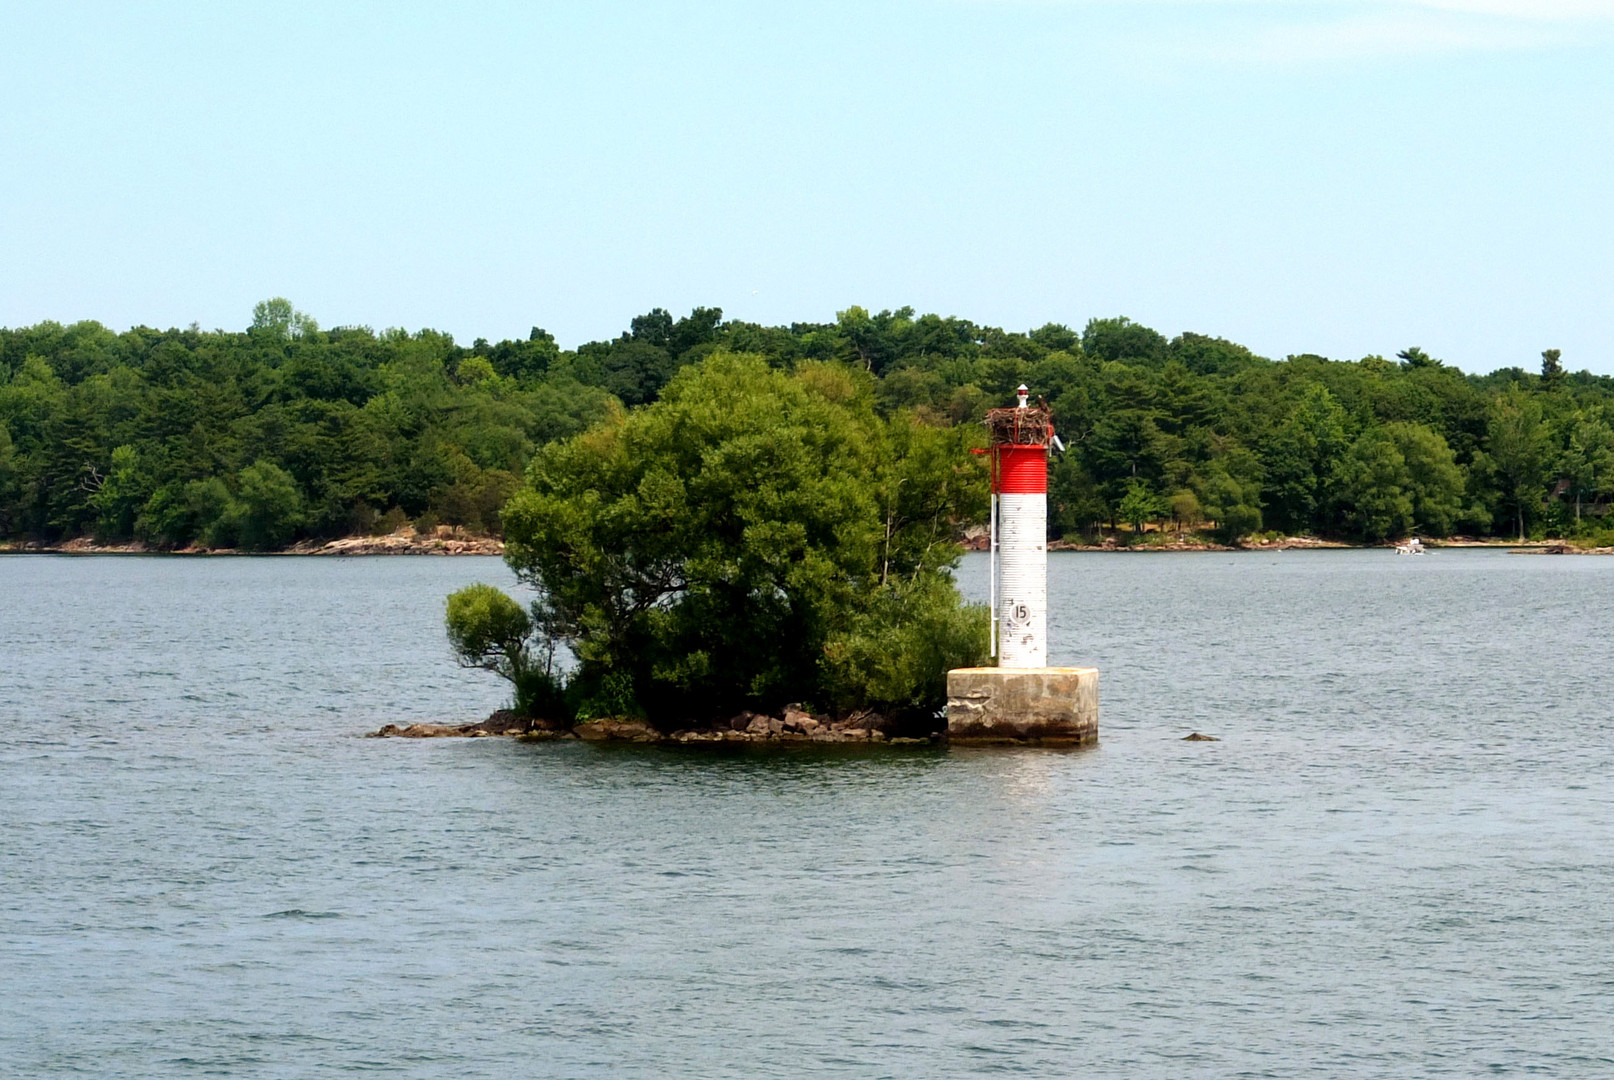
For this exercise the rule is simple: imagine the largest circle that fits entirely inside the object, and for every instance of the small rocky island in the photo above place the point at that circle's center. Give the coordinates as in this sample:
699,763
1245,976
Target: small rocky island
795,725
752,537
758,536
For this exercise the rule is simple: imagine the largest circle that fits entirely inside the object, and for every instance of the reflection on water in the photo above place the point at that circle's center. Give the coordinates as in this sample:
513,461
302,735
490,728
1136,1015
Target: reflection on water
1395,862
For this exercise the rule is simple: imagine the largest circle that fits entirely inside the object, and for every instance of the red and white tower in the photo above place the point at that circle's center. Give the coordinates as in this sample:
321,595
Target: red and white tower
1019,442
1022,699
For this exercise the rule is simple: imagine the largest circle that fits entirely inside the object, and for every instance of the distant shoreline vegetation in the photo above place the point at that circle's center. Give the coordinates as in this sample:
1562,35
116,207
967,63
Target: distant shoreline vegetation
286,433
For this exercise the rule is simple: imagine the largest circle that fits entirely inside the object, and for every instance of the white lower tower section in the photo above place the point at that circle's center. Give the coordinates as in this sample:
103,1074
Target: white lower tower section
1022,581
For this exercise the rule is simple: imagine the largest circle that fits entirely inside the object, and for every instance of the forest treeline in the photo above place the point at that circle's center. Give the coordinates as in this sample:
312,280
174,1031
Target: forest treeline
286,430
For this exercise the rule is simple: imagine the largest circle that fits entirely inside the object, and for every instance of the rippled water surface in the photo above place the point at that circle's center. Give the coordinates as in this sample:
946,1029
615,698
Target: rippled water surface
1397,862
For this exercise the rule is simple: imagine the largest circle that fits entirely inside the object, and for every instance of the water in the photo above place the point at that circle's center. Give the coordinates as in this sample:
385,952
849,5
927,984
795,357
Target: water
1396,863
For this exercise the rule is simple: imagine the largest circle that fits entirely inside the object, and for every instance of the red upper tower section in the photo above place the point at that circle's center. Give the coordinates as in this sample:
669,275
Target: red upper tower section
1019,440
1021,470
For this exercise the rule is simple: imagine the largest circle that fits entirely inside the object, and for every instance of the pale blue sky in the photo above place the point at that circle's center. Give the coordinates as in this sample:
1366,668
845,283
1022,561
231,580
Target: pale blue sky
1344,178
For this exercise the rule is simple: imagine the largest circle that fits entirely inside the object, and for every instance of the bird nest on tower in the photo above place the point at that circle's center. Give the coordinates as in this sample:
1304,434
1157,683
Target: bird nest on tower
1020,427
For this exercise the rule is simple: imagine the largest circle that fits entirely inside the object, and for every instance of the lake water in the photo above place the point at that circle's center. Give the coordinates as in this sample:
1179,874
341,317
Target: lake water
1397,862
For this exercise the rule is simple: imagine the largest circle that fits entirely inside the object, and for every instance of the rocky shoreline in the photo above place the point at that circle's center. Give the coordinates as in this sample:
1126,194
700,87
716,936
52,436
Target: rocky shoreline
795,725
448,541
1557,549
443,541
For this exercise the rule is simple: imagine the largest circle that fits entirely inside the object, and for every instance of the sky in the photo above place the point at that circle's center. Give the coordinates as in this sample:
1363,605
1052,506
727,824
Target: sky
1344,178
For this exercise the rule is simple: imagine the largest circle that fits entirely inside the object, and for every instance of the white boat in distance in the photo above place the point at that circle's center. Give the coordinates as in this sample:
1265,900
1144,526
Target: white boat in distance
1411,547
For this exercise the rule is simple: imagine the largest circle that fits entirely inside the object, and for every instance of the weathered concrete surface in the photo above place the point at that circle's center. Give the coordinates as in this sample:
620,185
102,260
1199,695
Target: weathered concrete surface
1034,705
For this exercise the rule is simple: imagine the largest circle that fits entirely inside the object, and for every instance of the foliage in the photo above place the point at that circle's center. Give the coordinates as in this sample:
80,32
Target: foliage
1431,477
895,652
1552,370
1232,503
277,318
488,630
1587,460
1303,457
1518,452
1185,509
166,435
1140,504
1373,487
119,495
748,540
8,476
179,514
266,509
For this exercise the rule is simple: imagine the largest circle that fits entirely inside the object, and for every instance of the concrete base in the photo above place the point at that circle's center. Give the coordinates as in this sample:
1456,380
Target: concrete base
1056,705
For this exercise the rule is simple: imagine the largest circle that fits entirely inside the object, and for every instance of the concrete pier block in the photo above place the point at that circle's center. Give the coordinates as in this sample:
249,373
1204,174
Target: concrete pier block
1057,705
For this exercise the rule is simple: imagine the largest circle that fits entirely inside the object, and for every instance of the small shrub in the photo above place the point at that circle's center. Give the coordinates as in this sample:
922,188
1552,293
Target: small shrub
362,519
390,522
489,630
896,655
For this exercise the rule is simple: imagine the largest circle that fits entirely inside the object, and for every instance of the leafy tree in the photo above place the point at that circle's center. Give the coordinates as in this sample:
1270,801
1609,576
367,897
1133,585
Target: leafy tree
721,548
121,494
1552,370
279,319
1124,446
1123,340
1302,460
896,650
634,370
525,360
1587,461
1433,479
1075,502
8,477
1140,505
273,315
658,329
873,341
1206,355
476,371
488,630
1519,452
1186,511
912,388
1373,487
1231,501
1414,358
1056,337
267,507
179,514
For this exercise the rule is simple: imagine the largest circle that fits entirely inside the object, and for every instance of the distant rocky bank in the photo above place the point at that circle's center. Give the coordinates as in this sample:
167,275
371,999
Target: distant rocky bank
976,539
444,540
794,725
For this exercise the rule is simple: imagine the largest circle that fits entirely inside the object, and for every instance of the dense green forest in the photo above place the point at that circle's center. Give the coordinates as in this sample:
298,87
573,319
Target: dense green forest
286,430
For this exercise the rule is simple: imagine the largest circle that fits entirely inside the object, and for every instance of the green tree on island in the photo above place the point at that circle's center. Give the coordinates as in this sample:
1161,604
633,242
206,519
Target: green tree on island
750,539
